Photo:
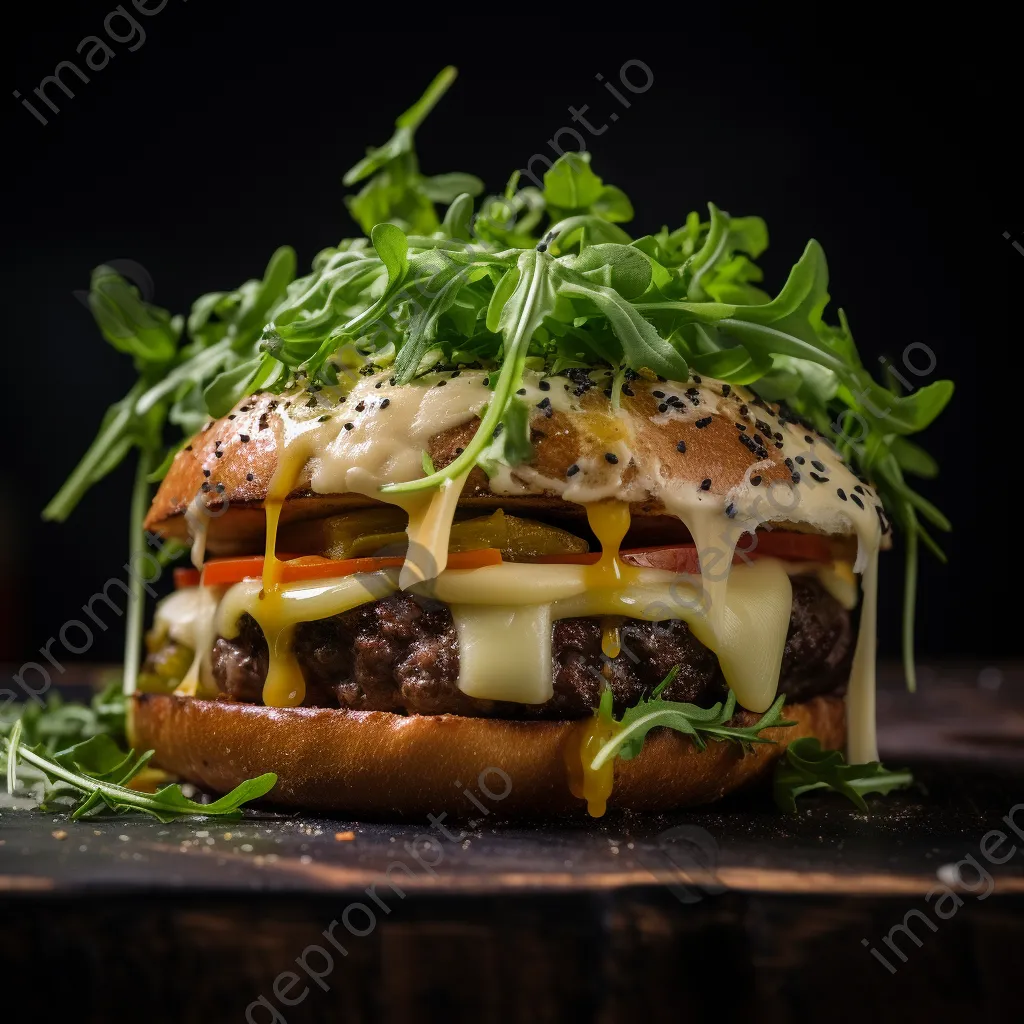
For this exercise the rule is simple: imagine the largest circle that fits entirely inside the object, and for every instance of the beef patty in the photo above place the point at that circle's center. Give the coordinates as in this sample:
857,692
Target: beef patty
401,654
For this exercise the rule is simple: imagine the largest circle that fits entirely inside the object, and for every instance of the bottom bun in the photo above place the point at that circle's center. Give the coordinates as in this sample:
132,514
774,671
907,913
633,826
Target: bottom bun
381,764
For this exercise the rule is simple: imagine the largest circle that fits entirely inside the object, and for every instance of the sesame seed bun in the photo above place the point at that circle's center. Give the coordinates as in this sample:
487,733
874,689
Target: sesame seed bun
664,445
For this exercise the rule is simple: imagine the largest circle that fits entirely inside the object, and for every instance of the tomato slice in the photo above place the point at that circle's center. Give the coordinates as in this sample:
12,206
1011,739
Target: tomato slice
225,571
682,558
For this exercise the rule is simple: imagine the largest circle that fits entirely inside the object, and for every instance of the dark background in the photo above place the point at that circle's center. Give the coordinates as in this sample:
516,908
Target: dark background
226,133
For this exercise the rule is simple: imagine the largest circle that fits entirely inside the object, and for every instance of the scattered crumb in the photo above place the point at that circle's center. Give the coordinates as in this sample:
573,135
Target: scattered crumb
344,837
59,833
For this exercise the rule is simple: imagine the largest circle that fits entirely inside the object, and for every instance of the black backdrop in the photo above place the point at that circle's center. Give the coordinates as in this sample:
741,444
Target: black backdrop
225,133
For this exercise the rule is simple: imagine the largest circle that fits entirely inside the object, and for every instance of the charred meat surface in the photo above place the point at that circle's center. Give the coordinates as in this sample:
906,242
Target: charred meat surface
401,654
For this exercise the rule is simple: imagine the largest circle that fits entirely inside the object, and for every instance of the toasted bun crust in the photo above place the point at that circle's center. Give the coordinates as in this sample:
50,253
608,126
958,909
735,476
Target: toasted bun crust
378,763
676,441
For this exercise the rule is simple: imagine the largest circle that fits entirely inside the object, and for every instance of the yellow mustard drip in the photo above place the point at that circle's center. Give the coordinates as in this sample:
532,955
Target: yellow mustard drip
285,686
610,522
611,638
584,743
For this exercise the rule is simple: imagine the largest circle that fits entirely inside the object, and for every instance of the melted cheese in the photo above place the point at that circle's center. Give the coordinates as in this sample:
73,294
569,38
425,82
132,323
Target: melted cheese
188,616
505,652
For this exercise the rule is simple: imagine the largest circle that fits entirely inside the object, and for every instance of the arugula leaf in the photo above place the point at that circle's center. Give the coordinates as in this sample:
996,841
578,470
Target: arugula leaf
805,766
696,722
71,754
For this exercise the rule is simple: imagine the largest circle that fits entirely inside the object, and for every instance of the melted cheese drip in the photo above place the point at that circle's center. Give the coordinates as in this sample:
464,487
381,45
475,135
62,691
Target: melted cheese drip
284,686
611,636
188,617
862,743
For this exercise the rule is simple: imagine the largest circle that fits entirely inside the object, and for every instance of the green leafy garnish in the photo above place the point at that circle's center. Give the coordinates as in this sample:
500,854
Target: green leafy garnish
99,770
698,723
545,277
806,766
70,757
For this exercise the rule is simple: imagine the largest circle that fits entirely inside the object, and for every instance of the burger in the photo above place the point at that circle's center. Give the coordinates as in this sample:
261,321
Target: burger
574,518
375,655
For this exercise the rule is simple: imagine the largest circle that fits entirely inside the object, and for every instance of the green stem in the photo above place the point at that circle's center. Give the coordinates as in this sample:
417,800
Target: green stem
511,372
910,598
137,549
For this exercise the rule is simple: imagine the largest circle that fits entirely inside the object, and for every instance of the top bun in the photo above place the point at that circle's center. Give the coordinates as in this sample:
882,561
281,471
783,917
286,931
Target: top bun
666,447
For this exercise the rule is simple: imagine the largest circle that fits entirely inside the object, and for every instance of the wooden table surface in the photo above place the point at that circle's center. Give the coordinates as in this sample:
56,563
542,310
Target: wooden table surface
734,910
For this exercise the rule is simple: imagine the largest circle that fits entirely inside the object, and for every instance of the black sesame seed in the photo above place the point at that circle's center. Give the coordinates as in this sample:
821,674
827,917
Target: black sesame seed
726,388
487,381
779,445
758,439
441,383
696,379
188,447
663,407
498,429
521,391
808,439
883,520
219,455
859,489
744,411
800,460
676,401
755,480
702,423
360,407
817,476
244,438
705,484
323,419
249,477
349,426
572,470
777,436
231,415
459,451
385,402
856,501
219,488
796,477
658,394
206,472
455,373
544,385
681,447
841,493
741,426
730,510
789,464
611,457
311,402
763,427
